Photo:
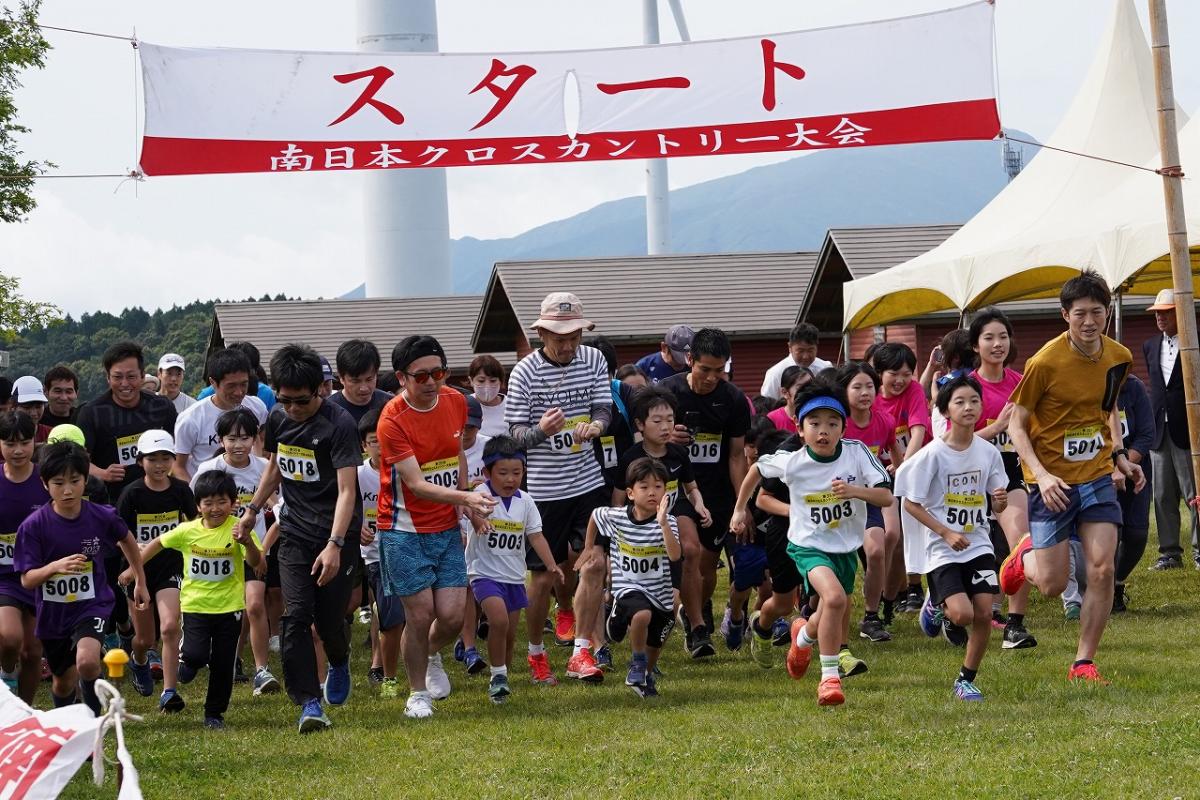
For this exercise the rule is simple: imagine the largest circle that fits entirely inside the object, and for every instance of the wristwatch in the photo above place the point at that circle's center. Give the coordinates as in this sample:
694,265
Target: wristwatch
254,508
338,541
1118,453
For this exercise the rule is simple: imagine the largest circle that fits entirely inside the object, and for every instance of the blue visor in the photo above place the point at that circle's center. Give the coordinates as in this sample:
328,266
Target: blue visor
823,401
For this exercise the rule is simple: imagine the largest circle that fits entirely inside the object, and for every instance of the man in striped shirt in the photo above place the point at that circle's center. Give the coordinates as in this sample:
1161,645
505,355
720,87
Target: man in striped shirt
559,400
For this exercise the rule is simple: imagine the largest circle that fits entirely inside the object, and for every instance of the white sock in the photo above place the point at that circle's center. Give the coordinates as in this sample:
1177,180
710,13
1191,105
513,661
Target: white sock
802,640
536,649
500,670
829,667
582,644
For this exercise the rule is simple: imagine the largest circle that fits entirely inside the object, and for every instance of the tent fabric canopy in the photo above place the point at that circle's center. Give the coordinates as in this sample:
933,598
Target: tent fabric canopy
1063,213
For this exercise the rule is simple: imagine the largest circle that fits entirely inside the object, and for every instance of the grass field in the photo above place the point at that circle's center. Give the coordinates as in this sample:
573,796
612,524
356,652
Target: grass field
727,728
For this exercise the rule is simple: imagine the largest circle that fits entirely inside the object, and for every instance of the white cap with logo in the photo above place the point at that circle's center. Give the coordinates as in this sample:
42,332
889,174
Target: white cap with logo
155,441
170,360
28,389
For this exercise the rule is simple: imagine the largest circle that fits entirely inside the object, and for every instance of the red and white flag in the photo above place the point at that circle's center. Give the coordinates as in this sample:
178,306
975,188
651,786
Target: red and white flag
914,79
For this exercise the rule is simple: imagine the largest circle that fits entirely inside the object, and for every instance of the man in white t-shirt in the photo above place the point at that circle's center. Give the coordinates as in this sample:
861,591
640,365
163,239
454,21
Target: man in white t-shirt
802,352
196,439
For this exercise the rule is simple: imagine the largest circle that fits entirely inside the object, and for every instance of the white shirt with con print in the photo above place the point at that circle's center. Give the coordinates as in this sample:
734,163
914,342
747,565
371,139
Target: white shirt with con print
499,554
818,518
953,486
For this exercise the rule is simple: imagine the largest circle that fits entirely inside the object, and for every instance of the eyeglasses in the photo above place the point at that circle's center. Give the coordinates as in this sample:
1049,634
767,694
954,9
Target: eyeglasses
131,377
294,401
424,375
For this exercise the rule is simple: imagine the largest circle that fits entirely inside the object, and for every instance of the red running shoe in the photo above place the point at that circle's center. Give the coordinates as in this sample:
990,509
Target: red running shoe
564,627
798,657
829,693
582,666
540,672
1012,571
1087,673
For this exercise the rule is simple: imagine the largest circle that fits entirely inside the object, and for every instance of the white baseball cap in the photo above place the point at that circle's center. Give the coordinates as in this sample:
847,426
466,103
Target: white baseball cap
171,360
155,441
28,389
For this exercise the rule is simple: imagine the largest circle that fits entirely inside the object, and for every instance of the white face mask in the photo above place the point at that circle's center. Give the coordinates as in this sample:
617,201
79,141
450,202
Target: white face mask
486,393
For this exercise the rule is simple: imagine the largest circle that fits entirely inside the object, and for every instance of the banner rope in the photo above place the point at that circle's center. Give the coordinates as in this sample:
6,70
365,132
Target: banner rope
1174,172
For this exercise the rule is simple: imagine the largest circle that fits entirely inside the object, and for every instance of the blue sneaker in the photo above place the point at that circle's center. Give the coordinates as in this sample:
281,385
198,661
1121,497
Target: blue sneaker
143,680
460,652
187,673
312,718
968,691
337,684
781,632
155,664
11,683
111,642
604,658
474,661
170,702
930,618
737,630
637,673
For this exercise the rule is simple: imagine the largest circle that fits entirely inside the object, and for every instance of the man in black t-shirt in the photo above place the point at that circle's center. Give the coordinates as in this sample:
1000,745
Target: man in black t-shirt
712,422
313,454
61,385
358,370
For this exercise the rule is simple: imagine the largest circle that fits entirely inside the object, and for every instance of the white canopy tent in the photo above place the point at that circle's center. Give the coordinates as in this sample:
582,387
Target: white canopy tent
1063,213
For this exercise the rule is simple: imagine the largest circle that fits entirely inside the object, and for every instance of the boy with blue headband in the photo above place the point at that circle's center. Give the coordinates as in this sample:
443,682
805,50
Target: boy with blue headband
830,481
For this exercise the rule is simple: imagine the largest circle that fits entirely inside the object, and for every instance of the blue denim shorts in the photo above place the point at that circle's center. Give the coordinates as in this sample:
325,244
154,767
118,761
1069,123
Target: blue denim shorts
413,562
1095,501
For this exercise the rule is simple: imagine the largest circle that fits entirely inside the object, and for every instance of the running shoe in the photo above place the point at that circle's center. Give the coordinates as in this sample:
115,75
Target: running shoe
707,612
702,645
460,651
155,664
273,644
1017,638
829,692
781,628
914,600
968,691
214,724
375,676
650,688
637,673
725,620
1120,599
604,658
364,615
736,634
389,689
143,681
564,627
187,673
312,717
582,667
930,618
437,682
684,624
798,657
1087,673
266,683
169,702
498,690
1071,612
954,634
540,672
873,631
1166,562
337,684
887,611
112,642
475,663
849,664
481,628
1012,571
760,648
548,626
999,621
419,706
239,674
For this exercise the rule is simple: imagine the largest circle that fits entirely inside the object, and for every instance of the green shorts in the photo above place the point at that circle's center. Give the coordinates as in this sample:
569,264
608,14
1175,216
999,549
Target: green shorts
844,565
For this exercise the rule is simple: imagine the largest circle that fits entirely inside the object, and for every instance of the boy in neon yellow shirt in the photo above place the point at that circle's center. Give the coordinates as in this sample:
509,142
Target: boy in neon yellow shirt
213,597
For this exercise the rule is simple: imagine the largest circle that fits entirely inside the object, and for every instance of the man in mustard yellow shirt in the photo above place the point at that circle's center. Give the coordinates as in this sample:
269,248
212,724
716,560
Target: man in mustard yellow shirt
1064,425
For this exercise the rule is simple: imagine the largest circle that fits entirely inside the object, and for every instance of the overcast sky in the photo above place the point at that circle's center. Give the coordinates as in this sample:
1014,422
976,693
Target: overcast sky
93,245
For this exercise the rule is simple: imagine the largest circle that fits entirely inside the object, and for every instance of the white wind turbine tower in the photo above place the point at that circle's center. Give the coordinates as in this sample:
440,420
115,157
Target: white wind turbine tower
658,201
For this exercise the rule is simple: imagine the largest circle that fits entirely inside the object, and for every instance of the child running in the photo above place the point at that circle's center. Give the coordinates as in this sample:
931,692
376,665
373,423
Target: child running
644,554
496,555
830,481
946,488
213,597
152,505
60,553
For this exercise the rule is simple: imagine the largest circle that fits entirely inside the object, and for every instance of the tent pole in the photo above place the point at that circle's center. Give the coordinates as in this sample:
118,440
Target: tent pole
1119,317
1181,271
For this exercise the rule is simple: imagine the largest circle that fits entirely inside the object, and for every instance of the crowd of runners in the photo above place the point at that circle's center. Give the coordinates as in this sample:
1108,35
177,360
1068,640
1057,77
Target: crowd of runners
581,503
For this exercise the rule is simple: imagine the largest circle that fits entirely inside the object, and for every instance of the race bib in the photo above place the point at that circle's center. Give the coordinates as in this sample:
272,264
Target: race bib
672,492
1124,425
827,509
965,512
8,548
152,526
243,500
902,438
127,451
564,440
1002,440
297,464
442,472
64,588
608,445
641,559
706,448
507,534
1083,444
210,564
370,518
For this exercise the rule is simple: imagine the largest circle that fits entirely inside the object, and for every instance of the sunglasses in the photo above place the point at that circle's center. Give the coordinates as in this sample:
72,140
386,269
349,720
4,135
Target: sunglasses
424,375
294,401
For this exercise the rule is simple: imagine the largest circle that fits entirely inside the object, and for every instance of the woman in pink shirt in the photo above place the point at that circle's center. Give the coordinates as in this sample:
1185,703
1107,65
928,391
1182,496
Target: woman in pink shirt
794,378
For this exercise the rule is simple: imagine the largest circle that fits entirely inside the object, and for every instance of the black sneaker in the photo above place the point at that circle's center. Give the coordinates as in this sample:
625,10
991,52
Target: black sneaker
887,611
707,613
1120,599
872,630
238,675
375,676
913,601
1017,638
684,624
702,645
954,634
1166,562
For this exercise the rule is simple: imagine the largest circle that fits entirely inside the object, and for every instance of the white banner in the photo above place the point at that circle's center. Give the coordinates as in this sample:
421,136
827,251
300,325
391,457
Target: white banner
914,79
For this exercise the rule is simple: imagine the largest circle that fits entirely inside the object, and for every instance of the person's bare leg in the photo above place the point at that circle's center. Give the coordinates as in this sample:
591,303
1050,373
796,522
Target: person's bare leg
1099,541
1046,568
541,583
589,594
414,643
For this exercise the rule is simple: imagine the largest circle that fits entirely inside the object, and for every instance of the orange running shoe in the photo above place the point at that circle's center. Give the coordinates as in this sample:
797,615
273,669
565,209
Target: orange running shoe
582,666
798,657
1012,571
1087,673
564,627
829,693
540,672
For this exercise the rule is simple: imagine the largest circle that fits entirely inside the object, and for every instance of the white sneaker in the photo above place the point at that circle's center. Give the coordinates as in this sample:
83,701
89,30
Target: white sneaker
273,644
437,682
419,706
